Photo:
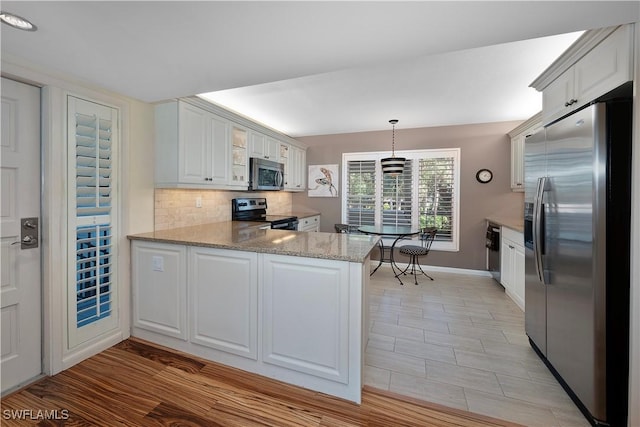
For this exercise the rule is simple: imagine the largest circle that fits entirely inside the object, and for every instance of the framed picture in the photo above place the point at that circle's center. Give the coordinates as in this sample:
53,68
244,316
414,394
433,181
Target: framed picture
323,181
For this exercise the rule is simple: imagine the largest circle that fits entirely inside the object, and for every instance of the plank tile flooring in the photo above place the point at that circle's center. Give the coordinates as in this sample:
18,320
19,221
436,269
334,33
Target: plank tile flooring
459,341
138,384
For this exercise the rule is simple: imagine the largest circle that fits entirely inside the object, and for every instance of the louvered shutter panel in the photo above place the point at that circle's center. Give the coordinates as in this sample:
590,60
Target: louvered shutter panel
436,195
92,214
361,192
396,197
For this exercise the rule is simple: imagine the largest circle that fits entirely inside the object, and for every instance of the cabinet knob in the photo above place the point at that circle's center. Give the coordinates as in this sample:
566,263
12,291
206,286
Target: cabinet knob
570,102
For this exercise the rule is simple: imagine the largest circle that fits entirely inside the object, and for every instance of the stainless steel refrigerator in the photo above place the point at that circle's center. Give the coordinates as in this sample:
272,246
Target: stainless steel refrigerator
577,237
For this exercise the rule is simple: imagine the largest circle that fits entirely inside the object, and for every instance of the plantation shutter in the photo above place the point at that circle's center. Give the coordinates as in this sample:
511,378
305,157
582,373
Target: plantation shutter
361,192
436,195
92,132
396,197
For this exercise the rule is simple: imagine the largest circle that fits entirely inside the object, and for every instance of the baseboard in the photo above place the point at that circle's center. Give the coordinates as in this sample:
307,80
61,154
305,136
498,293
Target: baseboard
452,270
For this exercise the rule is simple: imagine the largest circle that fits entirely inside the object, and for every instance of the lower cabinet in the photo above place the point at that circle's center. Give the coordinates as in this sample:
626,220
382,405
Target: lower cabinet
303,301
223,293
296,319
159,288
512,265
311,223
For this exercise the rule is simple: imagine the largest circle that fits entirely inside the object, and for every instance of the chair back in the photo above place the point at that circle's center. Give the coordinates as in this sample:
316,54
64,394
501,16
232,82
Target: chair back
427,236
345,228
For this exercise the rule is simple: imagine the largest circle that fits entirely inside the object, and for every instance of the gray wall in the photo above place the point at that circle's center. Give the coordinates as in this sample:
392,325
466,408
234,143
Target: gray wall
481,146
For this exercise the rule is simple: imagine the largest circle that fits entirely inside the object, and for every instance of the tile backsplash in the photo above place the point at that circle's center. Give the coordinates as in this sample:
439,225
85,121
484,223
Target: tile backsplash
177,207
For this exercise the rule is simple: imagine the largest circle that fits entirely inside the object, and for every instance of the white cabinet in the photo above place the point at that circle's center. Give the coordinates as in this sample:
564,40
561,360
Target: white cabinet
304,298
264,147
239,174
201,145
295,165
159,288
223,292
295,319
603,68
311,223
518,137
192,146
298,167
512,265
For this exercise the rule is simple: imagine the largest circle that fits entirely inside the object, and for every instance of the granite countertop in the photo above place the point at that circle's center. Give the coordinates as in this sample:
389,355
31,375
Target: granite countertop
247,236
513,223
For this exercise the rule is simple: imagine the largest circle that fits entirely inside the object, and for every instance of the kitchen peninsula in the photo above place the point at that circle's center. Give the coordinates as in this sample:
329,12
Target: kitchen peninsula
288,305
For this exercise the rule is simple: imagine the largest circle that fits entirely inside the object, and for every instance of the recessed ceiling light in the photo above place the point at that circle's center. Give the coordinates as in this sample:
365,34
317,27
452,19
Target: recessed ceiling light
17,22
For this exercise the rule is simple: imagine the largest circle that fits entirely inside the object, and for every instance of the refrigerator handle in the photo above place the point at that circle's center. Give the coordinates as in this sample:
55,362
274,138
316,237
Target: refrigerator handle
537,228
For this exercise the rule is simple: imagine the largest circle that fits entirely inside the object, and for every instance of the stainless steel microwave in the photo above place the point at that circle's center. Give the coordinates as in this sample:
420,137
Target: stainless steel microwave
265,174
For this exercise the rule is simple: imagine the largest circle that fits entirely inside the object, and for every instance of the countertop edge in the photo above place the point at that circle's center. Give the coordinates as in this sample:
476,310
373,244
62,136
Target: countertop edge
256,249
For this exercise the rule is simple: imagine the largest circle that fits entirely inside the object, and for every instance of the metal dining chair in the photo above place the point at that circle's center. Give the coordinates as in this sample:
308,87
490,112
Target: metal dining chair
345,228
414,252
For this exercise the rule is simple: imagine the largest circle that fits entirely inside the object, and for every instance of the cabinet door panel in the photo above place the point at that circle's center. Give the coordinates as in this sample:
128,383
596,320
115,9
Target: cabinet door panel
159,278
506,271
305,316
554,97
518,276
224,298
220,150
194,147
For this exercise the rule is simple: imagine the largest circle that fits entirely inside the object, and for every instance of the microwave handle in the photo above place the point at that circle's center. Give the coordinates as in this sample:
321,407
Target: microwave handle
279,179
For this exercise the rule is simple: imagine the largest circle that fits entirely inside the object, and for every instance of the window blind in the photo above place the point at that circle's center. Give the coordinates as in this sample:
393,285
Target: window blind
361,192
397,197
93,139
436,195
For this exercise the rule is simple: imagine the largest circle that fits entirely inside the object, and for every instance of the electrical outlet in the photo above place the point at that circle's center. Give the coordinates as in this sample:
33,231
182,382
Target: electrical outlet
198,202
157,263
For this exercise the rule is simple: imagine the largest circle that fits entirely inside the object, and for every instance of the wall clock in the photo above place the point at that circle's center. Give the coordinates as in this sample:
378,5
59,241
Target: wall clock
484,175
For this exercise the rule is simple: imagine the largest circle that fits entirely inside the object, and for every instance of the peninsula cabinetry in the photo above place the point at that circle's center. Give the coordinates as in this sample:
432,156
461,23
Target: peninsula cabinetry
512,265
293,318
223,293
600,61
159,279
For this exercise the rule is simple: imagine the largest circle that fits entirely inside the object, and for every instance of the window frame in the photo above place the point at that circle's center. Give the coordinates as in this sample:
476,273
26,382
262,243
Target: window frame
415,156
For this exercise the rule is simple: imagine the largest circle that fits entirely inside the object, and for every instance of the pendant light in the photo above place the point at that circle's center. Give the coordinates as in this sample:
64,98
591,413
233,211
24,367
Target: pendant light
393,165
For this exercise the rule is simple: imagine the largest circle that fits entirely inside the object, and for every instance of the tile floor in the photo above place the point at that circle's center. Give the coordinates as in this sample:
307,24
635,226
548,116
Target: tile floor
459,341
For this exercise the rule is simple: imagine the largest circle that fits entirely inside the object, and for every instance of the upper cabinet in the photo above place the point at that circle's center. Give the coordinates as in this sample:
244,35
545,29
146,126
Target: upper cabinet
600,61
202,146
518,136
239,175
191,145
264,147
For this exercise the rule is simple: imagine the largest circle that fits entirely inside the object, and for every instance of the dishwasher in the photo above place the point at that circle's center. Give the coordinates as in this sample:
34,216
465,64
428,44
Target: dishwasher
493,250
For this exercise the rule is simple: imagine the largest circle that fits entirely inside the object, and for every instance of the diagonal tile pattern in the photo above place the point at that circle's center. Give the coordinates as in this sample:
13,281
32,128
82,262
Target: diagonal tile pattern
459,341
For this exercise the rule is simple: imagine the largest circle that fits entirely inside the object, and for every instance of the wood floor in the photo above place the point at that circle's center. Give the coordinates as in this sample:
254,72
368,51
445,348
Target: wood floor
136,383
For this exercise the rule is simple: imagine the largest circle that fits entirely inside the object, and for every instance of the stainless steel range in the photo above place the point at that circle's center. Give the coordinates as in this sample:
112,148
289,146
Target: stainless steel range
255,209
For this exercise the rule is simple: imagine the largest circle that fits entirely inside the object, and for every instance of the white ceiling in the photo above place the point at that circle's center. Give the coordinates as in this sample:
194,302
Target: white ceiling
309,68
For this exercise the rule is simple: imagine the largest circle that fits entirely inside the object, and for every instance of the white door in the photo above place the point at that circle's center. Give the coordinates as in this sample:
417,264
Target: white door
20,291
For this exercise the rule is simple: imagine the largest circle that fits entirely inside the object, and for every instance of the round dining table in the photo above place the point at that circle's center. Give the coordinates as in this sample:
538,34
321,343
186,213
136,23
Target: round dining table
398,232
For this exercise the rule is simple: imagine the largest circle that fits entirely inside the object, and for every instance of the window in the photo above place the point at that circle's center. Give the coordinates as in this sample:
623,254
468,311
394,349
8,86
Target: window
425,194
92,224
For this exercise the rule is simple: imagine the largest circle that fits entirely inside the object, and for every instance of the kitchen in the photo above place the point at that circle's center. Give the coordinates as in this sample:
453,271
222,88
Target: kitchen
141,195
